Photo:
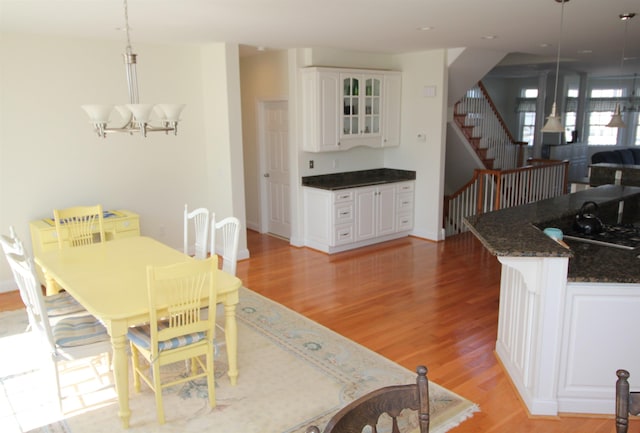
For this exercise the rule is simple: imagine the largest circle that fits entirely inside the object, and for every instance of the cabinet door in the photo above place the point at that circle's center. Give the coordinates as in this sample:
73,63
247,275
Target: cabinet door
391,110
365,213
386,210
361,97
320,99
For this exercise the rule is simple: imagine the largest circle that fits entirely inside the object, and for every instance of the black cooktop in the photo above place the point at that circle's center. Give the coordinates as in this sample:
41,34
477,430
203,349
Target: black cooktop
625,236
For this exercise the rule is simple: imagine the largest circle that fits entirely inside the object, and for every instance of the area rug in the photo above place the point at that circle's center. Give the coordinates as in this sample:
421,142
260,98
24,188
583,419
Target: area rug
293,373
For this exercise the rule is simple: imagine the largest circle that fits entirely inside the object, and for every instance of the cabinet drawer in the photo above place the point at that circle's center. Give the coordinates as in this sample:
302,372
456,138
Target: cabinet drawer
343,234
343,213
343,196
405,187
126,225
405,202
48,236
405,222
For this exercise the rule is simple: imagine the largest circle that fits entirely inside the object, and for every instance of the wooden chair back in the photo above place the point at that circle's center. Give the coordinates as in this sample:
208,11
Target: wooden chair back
200,219
79,225
391,400
627,402
179,289
230,229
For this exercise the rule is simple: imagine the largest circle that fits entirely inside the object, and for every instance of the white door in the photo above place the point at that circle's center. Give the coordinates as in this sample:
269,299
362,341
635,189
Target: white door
276,174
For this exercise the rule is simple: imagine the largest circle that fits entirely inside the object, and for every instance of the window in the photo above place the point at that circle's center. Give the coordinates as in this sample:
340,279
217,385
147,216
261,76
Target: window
527,118
570,115
601,107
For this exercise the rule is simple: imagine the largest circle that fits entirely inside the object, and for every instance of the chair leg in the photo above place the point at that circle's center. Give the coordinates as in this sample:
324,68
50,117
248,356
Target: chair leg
158,391
58,390
211,377
135,362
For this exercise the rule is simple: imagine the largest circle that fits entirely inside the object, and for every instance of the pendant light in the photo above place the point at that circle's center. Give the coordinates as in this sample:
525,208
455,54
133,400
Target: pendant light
136,116
616,120
554,122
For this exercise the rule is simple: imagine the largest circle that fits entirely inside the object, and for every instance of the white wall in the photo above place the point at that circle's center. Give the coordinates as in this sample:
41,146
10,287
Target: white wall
51,158
424,116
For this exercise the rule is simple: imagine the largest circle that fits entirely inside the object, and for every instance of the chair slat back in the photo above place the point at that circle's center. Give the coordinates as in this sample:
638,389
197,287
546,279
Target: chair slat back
230,231
25,276
391,400
79,225
11,243
178,290
200,220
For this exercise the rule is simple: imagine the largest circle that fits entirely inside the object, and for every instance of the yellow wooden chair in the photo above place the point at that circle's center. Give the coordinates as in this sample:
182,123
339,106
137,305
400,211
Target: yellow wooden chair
79,225
178,330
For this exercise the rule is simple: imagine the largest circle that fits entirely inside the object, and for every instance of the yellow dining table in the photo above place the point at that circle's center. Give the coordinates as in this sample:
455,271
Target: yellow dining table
110,280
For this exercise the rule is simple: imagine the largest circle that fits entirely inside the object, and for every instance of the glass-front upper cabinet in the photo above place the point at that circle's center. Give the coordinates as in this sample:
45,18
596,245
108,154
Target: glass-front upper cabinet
361,103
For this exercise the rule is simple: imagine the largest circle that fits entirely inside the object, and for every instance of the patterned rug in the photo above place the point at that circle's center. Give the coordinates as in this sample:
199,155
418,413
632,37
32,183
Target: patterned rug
293,373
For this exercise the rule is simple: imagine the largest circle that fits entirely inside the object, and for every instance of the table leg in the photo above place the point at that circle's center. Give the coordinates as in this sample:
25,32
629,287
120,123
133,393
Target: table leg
121,375
52,285
231,337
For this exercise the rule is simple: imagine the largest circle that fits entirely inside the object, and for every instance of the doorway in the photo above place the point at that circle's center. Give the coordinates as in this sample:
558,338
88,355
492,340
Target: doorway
274,168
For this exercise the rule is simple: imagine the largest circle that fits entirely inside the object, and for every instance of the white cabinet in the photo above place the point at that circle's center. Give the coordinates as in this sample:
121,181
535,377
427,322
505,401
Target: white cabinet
344,108
350,218
376,211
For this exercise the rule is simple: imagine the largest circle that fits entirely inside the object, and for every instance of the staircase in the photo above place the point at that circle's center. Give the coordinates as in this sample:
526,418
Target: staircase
480,122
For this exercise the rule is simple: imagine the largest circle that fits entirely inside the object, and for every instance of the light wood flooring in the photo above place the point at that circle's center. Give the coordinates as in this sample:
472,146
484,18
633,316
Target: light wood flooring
414,302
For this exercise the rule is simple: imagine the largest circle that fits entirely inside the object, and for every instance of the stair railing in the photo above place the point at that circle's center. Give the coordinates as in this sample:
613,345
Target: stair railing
491,190
478,110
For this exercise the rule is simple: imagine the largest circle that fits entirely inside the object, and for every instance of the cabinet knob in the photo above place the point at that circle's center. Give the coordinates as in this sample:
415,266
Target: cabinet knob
266,175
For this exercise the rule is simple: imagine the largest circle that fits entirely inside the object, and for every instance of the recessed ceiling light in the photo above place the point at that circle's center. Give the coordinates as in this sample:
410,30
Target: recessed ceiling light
545,45
489,37
425,28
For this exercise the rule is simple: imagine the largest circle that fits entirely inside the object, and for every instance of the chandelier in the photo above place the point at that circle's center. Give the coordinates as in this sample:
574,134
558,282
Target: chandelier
136,117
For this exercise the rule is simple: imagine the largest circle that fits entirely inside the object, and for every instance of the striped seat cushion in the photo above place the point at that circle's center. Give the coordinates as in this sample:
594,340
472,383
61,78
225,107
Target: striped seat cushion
79,331
61,304
141,337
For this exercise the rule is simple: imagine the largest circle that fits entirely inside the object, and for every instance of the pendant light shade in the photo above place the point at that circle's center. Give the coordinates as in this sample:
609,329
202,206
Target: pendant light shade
616,120
554,122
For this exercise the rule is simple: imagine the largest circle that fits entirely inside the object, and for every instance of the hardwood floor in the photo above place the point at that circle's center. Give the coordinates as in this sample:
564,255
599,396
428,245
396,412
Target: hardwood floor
414,302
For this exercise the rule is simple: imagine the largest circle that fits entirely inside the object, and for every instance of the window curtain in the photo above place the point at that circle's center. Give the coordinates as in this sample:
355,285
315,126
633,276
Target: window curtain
571,104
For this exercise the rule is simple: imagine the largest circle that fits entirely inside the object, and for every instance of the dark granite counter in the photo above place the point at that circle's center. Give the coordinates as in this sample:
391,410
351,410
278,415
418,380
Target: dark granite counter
352,179
517,232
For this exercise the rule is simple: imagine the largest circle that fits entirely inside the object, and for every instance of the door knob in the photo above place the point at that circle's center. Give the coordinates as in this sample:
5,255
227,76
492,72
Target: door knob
266,175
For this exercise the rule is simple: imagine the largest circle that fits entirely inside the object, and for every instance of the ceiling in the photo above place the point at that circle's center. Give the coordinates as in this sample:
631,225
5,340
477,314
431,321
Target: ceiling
592,41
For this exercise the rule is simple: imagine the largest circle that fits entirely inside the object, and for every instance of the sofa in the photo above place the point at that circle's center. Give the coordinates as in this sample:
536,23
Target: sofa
626,156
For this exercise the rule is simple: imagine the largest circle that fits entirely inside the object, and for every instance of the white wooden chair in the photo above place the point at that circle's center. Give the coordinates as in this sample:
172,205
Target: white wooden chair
200,219
57,305
178,328
71,338
230,229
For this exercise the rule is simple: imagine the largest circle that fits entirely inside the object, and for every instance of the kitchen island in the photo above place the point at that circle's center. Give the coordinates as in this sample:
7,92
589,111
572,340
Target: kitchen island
565,313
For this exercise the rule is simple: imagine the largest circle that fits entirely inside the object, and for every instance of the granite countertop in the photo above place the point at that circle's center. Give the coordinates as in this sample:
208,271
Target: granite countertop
517,232
353,179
